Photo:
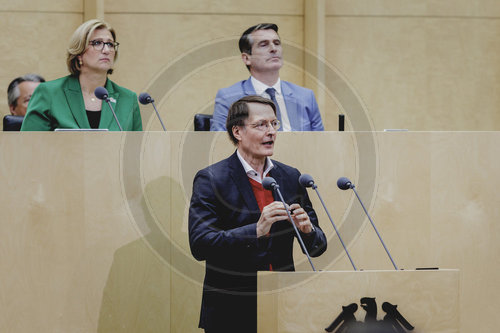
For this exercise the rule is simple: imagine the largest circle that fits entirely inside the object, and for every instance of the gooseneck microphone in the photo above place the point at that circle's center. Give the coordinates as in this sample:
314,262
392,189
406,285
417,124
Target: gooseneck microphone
102,94
144,99
344,184
307,181
270,184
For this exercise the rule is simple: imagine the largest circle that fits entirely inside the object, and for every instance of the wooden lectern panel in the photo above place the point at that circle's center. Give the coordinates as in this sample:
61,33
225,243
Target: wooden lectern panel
94,230
311,301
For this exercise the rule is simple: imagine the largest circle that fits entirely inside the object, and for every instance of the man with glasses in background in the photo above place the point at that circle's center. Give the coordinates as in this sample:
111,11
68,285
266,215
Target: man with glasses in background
261,51
238,227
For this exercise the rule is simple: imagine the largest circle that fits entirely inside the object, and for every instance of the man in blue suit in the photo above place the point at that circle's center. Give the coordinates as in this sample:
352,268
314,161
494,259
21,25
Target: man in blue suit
238,227
261,52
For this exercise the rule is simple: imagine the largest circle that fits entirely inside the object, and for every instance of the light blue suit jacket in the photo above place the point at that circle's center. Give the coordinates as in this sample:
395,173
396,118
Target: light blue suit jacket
301,105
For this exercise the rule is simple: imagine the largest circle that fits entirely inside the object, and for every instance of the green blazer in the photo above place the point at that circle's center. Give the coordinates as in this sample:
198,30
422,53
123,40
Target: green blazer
59,104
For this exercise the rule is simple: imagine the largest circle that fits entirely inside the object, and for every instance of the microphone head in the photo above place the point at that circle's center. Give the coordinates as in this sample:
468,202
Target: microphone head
269,183
101,93
145,98
306,180
344,183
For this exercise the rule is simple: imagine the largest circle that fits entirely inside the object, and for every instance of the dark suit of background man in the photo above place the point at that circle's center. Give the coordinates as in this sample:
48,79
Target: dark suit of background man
261,52
238,227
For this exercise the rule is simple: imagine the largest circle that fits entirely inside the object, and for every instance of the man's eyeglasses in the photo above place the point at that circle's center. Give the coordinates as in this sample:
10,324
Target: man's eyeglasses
98,45
263,125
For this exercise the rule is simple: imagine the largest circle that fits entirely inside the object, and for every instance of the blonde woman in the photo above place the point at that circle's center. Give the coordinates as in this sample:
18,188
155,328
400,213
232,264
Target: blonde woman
70,103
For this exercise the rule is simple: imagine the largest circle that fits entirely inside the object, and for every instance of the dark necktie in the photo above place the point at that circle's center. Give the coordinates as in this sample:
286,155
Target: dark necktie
272,93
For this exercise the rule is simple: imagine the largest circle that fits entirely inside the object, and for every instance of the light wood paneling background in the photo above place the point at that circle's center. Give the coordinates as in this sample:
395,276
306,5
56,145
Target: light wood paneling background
418,65
34,36
94,225
421,65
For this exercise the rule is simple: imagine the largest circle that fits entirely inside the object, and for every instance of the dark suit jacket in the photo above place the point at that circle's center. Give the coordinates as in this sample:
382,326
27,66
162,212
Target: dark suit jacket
222,231
59,104
301,106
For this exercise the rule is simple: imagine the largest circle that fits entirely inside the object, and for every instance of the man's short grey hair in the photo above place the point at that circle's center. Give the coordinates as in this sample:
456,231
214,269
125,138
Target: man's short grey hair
13,89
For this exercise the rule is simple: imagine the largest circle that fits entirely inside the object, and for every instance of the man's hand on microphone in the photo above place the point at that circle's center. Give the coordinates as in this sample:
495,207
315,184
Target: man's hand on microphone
301,219
271,213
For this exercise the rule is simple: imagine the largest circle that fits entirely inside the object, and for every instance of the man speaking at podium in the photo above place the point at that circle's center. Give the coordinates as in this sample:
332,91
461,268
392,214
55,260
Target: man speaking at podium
238,227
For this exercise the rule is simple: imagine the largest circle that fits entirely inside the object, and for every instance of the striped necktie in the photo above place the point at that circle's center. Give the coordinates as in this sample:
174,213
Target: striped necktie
272,92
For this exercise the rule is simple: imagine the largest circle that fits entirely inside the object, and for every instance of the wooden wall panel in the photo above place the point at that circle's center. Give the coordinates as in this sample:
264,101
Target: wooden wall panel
428,65
42,6
34,42
155,42
94,225
440,8
417,66
260,7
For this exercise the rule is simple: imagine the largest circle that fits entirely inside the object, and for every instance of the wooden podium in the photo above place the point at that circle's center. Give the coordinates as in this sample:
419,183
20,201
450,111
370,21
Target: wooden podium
313,301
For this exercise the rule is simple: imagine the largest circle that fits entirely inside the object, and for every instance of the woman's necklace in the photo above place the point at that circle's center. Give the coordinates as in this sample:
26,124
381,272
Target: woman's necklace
91,101
91,96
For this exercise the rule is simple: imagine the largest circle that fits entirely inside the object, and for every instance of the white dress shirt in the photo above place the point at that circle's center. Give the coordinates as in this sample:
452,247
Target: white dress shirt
251,173
260,89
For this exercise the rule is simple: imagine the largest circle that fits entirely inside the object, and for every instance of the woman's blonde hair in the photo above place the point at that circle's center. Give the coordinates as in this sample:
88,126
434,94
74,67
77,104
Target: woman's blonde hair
79,41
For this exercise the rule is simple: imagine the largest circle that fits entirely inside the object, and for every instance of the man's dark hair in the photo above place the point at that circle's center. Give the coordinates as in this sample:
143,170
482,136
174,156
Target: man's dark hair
13,89
238,112
246,41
